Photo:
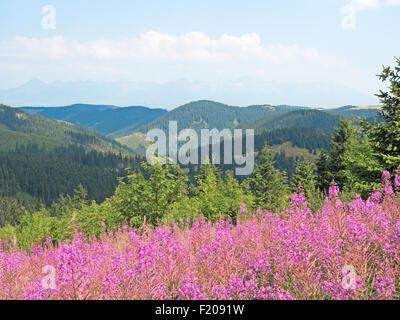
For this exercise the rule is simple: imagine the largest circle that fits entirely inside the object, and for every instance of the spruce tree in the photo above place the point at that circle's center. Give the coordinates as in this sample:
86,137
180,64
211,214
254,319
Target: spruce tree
323,174
385,136
215,195
344,139
269,185
304,175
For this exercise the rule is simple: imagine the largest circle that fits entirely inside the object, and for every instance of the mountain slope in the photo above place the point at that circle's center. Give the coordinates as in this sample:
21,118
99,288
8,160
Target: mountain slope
209,114
107,120
354,112
298,118
20,127
302,137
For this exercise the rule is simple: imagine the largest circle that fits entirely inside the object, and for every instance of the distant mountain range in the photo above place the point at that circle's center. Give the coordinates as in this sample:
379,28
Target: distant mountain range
170,94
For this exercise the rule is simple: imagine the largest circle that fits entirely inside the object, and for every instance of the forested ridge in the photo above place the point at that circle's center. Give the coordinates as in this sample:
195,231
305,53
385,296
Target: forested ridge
206,114
23,124
32,171
41,159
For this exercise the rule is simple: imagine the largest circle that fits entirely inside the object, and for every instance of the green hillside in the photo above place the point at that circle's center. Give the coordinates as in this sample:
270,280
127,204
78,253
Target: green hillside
298,118
20,127
305,128
121,123
307,138
41,159
209,114
10,140
355,112
107,120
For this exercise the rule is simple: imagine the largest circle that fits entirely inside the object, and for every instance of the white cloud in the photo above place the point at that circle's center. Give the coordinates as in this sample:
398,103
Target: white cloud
393,2
366,4
155,56
194,47
372,4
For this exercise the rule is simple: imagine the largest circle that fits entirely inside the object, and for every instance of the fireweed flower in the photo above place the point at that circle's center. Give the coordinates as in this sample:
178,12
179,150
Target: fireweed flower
397,182
376,196
333,190
298,199
386,175
243,209
386,183
388,189
290,255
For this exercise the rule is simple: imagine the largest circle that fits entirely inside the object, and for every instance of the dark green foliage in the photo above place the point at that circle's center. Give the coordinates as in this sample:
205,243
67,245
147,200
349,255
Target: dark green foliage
324,176
11,140
269,185
362,168
215,195
305,176
385,136
307,138
45,174
344,140
137,197
306,118
351,161
284,163
11,211
209,114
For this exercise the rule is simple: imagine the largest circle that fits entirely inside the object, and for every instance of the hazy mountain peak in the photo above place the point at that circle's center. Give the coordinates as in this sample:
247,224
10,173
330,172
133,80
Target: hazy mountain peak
34,82
174,93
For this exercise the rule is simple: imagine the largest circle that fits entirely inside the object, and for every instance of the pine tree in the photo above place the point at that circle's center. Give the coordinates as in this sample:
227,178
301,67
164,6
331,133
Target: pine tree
304,175
269,185
207,192
344,139
323,175
385,136
80,197
351,163
363,169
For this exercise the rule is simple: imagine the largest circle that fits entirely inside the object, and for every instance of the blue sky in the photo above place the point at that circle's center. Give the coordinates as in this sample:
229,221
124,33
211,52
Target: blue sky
291,41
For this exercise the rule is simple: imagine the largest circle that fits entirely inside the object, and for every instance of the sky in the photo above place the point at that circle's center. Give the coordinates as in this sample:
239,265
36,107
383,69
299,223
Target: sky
287,41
